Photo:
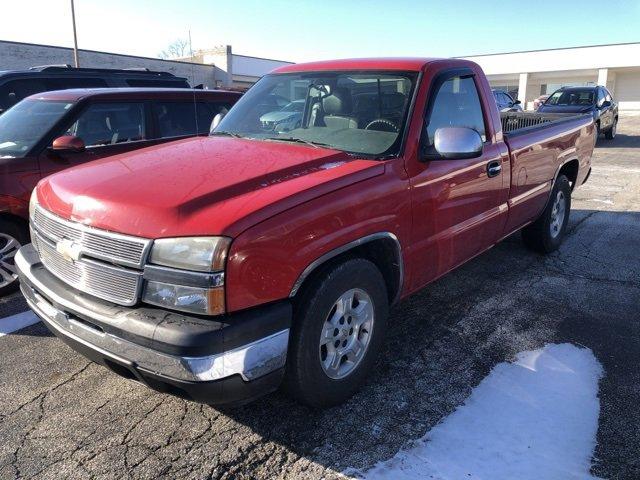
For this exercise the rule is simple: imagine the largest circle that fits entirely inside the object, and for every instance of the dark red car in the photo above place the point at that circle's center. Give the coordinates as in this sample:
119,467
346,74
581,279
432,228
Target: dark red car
51,131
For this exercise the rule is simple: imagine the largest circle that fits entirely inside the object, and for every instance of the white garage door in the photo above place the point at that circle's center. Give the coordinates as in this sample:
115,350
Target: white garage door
627,91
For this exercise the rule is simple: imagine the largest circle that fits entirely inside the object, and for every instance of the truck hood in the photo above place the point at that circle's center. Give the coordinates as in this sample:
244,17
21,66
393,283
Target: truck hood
199,186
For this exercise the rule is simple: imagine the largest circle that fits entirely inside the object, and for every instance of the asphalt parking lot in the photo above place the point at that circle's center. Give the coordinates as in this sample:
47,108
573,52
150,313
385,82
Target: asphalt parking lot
64,417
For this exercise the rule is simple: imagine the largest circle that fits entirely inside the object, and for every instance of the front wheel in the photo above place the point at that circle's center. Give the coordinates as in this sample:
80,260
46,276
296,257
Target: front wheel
611,133
338,328
546,234
12,237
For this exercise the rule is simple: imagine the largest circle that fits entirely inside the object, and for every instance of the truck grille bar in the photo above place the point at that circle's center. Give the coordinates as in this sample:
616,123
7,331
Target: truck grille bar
115,248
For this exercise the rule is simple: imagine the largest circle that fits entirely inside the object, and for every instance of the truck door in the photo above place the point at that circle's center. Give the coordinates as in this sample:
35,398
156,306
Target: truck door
459,205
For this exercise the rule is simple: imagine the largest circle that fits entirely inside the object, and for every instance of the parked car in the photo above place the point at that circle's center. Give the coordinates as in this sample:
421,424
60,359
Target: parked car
539,101
52,131
214,268
505,102
596,100
16,85
285,119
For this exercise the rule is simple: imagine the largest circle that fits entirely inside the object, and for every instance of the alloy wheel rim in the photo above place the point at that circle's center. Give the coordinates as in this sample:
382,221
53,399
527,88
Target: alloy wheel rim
557,214
9,246
346,333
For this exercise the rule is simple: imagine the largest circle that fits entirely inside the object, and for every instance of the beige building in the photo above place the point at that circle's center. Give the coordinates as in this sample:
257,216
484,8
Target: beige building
233,70
537,72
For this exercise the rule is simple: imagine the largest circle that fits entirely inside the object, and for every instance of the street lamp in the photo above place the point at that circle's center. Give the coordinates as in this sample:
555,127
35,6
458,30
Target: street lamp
75,36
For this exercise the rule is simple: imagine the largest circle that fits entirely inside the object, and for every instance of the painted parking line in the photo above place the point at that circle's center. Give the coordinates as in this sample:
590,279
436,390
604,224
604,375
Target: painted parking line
534,418
16,322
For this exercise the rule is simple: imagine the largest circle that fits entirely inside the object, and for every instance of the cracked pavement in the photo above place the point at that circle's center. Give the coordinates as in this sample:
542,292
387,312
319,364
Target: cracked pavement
64,417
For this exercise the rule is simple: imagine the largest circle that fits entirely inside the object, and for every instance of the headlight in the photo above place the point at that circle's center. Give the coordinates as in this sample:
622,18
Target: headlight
33,201
204,301
194,278
203,254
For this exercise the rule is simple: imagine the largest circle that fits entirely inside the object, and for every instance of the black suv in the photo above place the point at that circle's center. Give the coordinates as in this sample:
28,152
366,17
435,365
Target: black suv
595,100
18,84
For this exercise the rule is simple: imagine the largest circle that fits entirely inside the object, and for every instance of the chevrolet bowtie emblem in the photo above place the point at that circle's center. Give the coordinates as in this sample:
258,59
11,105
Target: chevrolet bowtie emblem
70,251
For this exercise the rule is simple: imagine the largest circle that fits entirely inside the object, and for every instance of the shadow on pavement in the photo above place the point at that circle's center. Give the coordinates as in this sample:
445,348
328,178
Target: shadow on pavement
445,339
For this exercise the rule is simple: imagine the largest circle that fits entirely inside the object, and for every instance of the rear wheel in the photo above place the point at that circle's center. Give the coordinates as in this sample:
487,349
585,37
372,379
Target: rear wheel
546,234
339,326
12,237
611,133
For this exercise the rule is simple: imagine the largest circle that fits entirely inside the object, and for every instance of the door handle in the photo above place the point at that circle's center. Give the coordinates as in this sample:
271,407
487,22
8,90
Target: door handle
494,168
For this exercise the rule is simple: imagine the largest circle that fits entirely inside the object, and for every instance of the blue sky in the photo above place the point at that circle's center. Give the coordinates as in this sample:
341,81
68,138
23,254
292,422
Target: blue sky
304,30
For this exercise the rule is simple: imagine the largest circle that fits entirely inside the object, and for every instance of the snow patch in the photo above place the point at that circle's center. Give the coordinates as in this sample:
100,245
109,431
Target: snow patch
535,418
17,322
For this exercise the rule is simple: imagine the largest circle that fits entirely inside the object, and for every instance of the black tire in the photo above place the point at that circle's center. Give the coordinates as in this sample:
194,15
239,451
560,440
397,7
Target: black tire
16,231
538,236
611,133
306,379
597,131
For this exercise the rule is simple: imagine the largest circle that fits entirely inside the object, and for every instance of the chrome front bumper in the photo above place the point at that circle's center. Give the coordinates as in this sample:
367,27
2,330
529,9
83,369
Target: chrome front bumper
68,320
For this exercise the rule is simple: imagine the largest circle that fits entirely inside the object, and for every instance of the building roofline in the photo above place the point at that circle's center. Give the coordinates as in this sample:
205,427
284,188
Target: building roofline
99,51
548,49
262,58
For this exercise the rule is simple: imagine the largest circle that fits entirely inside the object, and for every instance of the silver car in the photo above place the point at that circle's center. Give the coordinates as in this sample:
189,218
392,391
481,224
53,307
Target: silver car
285,119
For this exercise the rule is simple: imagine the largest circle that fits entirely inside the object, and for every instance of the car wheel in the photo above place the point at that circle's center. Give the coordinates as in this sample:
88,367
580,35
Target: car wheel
546,234
12,237
338,328
611,133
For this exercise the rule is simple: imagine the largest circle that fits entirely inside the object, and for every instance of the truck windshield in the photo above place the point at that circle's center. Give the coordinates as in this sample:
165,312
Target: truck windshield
357,112
24,125
572,97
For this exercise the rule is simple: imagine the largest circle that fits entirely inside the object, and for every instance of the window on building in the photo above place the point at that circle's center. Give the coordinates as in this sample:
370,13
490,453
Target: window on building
109,124
456,105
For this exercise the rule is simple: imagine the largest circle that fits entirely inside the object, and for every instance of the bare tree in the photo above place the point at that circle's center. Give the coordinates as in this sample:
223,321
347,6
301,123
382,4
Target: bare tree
177,49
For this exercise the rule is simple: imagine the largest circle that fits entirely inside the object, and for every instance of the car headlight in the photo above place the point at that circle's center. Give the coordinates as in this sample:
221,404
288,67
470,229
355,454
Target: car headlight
187,274
202,254
33,201
203,301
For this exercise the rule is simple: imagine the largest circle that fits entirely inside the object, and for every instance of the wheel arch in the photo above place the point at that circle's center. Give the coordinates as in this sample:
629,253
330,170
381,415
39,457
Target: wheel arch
383,249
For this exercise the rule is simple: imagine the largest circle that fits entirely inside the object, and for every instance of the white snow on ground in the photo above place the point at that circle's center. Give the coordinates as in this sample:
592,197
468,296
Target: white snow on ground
16,322
535,418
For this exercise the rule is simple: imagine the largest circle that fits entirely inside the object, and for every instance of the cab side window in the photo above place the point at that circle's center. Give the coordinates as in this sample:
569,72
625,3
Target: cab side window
456,104
110,123
601,97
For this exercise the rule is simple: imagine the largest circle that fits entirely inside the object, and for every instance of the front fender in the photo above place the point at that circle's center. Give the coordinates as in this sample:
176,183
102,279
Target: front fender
267,261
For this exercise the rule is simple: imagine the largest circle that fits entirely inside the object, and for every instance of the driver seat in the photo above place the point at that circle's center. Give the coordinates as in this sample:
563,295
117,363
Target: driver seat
338,108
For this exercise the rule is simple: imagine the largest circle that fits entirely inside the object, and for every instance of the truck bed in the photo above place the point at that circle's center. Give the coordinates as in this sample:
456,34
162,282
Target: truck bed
514,123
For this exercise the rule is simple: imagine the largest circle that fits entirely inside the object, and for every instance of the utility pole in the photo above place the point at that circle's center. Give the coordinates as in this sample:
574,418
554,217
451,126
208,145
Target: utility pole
75,36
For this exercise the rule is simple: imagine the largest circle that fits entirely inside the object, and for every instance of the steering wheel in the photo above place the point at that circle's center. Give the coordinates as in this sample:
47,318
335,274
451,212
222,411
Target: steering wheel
382,125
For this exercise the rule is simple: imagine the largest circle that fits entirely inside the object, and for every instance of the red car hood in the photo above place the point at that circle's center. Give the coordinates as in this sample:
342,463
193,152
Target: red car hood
198,186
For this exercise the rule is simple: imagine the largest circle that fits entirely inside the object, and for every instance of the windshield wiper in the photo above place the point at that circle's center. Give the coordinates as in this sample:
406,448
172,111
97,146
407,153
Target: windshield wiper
225,133
300,140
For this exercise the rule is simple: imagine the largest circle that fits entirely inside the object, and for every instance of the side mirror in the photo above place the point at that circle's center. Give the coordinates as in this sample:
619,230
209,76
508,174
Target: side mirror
68,144
216,121
517,102
458,142
605,104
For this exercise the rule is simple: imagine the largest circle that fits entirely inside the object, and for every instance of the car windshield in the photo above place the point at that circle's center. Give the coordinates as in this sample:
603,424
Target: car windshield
24,125
572,97
360,113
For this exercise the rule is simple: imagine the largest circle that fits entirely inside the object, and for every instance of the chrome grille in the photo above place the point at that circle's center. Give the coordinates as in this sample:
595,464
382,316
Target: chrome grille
104,281
113,247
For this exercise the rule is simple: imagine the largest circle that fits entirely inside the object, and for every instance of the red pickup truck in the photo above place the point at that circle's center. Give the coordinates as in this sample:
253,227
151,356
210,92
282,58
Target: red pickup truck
219,268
